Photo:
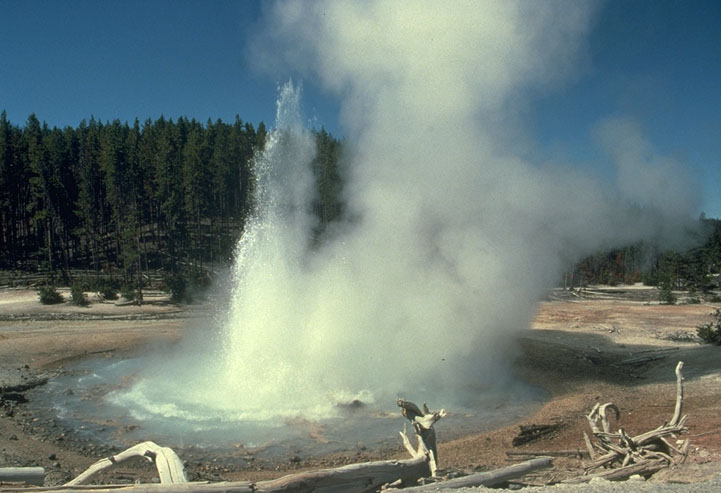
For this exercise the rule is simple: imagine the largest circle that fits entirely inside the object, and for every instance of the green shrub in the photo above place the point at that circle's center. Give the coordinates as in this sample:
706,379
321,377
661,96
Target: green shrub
650,279
108,292
129,293
50,296
177,286
711,332
107,288
665,295
77,295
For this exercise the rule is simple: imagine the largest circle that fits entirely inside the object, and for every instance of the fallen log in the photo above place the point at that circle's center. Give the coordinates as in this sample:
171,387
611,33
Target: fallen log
368,476
204,487
27,475
645,468
579,454
488,479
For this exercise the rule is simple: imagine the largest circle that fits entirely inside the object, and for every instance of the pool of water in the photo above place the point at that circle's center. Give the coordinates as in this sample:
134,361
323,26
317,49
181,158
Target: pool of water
92,399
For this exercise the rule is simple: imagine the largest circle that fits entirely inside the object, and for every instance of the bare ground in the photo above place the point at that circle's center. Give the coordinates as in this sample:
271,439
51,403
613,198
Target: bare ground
581,349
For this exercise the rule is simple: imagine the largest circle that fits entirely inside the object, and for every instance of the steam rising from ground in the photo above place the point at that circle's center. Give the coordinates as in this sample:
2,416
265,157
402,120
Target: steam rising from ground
452,238
458,236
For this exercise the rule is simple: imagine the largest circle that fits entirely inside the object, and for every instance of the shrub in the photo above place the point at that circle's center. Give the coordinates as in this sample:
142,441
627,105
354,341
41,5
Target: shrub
177,286
106,288
50,296
108,292
129,293
665,295
711,332
77,295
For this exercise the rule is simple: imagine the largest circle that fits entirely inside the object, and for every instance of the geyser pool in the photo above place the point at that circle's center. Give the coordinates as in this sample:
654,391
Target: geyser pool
99,400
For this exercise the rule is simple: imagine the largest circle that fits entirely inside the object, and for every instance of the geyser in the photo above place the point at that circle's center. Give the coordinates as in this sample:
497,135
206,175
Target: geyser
451,235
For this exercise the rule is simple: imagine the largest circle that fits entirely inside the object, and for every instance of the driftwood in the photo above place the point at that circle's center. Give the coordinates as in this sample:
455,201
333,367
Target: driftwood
423,422
645,468
170,467
27,475
490,478
642,454
576,454
530,433
367,476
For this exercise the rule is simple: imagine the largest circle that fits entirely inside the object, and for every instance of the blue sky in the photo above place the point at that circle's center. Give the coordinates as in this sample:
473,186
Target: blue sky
657,62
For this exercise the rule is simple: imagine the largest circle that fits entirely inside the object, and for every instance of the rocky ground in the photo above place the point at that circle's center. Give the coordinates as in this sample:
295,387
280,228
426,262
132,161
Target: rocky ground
602,345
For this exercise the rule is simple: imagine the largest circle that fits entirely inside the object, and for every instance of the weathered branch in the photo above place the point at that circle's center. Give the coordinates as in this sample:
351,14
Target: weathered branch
648,451
679,395
644,468
170,467
368,476
423,422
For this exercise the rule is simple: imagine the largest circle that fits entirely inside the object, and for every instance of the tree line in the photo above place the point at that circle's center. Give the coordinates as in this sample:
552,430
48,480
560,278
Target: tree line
173,196
129,199
695,270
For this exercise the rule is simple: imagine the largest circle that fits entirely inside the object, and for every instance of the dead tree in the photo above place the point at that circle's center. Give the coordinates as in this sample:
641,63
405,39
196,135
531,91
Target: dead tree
641,454
423,422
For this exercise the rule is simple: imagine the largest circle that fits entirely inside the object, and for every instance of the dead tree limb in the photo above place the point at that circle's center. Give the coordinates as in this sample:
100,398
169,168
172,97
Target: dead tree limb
368,476
679,395
642,454
643,468
422,422
170,467
578,453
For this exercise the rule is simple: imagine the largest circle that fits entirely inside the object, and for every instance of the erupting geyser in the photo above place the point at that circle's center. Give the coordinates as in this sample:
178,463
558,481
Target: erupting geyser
451,233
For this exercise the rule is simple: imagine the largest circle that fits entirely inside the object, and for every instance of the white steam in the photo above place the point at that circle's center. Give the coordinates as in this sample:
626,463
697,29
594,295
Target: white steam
454,237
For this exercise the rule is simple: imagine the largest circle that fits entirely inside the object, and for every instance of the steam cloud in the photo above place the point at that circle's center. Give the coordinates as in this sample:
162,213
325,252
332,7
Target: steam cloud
454,236
458,235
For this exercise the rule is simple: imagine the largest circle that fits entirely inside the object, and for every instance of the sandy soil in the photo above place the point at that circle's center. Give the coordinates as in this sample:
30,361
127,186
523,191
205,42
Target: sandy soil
581,349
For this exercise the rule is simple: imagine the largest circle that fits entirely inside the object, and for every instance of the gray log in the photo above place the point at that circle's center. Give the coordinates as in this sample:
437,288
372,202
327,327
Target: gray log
29,475
490,478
